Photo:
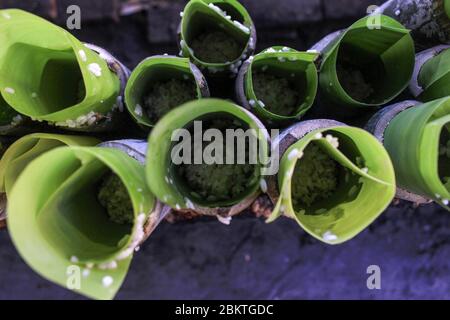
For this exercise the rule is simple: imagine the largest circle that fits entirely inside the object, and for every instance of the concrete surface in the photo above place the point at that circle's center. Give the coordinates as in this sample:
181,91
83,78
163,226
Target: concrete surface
204,259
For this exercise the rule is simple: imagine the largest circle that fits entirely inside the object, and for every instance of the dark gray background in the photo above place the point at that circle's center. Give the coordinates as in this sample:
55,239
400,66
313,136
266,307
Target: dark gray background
203,259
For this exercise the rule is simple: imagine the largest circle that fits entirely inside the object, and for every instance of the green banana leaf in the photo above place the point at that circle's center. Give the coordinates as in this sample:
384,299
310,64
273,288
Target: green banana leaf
434,77
13,123
63,231
217,35
348,177
5,142
281,65
417,141
29,147
48,75
366,67
162,83
428,19
175,189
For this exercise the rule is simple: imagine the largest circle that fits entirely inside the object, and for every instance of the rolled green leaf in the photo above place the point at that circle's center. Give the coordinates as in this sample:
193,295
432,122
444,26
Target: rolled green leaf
364,66
48,75
377,126
13,123
431,76
428,19
417,139
20,153
161,83
137,149
217,35
334,180
5,142
2,211
278,84
83,218
220,187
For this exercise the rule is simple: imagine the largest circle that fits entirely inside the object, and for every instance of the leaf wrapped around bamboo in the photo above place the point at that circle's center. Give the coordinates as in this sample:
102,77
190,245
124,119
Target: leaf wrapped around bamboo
20,153
417,138
185,168
161,83
429,20
47,75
